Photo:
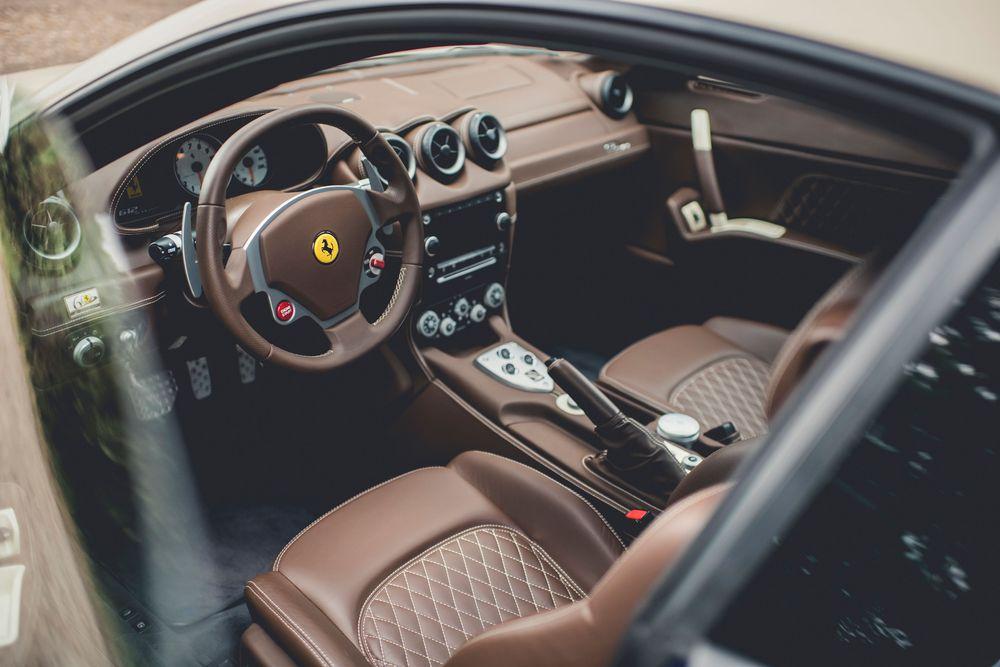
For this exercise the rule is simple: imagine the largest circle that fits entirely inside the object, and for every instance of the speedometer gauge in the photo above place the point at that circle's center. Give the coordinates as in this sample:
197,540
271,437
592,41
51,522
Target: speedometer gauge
193,156
252,169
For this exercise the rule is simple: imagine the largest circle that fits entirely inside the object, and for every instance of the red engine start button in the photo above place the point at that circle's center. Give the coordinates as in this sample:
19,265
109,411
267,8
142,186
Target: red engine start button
284,311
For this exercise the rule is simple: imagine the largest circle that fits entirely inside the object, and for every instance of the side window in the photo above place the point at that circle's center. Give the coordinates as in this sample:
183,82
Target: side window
897,560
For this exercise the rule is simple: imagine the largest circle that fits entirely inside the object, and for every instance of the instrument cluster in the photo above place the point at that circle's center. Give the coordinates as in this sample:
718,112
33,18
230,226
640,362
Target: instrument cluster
154,191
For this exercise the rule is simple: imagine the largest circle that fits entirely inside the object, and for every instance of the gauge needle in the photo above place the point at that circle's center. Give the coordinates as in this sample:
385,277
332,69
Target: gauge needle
252,179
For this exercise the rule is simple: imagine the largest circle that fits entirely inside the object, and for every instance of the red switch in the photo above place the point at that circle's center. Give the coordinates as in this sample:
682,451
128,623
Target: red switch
636,515
284,311
376,263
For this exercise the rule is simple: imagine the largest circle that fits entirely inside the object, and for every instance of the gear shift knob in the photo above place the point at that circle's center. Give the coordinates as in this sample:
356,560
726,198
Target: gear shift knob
633,453
598,407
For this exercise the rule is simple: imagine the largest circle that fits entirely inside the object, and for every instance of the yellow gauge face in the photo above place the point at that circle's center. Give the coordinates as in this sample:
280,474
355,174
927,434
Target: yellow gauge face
326,248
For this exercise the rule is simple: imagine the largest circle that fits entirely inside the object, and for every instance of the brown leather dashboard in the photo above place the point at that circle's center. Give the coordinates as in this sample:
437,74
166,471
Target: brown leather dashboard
555,131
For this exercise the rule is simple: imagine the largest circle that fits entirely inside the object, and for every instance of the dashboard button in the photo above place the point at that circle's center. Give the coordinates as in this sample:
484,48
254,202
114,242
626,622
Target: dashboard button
494,295
509,369
284,311
529,359
88,351
432,245
478,313
448,326
461,308
503,221
428,324
504,353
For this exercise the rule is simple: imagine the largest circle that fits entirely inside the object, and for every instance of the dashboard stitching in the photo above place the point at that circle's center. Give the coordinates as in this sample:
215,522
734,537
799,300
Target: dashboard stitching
160,146
115,310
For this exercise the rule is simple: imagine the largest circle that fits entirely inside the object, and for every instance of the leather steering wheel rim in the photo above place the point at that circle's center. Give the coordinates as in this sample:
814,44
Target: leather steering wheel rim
227,285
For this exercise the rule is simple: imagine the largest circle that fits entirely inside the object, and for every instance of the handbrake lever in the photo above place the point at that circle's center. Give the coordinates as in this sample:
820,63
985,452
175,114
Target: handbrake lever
633,453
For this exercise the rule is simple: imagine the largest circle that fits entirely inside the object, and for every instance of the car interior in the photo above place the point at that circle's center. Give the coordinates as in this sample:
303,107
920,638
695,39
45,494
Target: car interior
517,315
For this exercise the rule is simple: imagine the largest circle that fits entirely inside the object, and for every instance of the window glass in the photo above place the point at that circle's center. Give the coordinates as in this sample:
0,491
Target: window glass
897,561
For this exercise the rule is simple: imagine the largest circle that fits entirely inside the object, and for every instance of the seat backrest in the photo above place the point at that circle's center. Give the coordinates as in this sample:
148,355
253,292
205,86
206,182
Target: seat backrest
588,632
825,323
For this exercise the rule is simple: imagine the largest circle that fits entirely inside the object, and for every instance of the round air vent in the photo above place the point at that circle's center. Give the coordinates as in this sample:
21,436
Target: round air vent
402,149
442,153
486,136
610,91
616,95
52,230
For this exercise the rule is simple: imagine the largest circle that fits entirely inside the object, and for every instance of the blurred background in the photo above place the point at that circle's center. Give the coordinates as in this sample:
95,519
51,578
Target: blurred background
44,33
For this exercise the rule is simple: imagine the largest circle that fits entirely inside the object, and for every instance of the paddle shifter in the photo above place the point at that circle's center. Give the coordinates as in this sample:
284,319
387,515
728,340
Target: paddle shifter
633,453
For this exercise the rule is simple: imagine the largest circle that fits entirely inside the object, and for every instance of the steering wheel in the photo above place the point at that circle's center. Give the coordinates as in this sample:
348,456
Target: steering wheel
311,253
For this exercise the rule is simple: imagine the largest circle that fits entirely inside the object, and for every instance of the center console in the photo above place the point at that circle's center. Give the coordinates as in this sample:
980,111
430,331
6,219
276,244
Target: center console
463,335
466,249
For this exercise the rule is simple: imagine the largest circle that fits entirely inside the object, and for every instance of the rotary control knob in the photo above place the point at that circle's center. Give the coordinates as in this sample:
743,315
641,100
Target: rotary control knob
448,327
88,351
478,313
428,324
432,245
461,308
503,221
494,295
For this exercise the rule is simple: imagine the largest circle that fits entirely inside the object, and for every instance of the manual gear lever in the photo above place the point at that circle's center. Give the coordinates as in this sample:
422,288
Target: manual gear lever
633,453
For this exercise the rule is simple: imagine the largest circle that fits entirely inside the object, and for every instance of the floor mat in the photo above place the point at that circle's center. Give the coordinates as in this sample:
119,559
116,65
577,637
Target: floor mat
186,579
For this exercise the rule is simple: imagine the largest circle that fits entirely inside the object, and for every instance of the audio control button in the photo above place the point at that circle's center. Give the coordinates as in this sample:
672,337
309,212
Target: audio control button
428,324
478,313
448,326
432,245
461,308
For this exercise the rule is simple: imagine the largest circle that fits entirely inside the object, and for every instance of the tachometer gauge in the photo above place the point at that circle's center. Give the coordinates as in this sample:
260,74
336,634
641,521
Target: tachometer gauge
193,156
252,169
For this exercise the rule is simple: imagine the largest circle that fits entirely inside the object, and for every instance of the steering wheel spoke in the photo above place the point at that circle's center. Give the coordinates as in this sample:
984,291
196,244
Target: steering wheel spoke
238,275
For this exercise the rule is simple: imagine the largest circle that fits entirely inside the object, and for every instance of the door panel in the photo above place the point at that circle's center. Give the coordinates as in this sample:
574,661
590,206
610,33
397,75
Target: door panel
602,262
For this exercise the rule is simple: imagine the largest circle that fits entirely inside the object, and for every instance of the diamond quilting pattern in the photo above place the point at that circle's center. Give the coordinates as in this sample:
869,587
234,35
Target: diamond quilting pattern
733,389
456,590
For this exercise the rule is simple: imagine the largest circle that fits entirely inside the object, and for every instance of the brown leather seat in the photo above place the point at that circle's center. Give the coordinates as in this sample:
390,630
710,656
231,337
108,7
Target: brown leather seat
715,372
734,370
485,561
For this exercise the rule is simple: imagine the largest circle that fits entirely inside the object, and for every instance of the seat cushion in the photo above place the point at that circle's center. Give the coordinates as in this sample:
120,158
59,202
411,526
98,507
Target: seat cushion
410,570
716,372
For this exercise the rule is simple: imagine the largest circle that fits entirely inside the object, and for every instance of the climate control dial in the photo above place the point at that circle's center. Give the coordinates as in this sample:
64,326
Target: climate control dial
448,327
494,295
428,324
478,313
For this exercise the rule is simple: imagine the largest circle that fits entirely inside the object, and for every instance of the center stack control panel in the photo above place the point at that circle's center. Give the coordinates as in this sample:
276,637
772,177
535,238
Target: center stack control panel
465,262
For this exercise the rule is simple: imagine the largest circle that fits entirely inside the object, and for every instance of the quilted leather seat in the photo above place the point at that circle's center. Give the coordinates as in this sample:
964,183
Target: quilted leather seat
483,562
731,369
715,372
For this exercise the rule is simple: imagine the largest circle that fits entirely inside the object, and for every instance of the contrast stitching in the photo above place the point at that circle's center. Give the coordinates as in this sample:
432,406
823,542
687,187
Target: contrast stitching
100,315
313,647
563,486
538,551
302,532
392,299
